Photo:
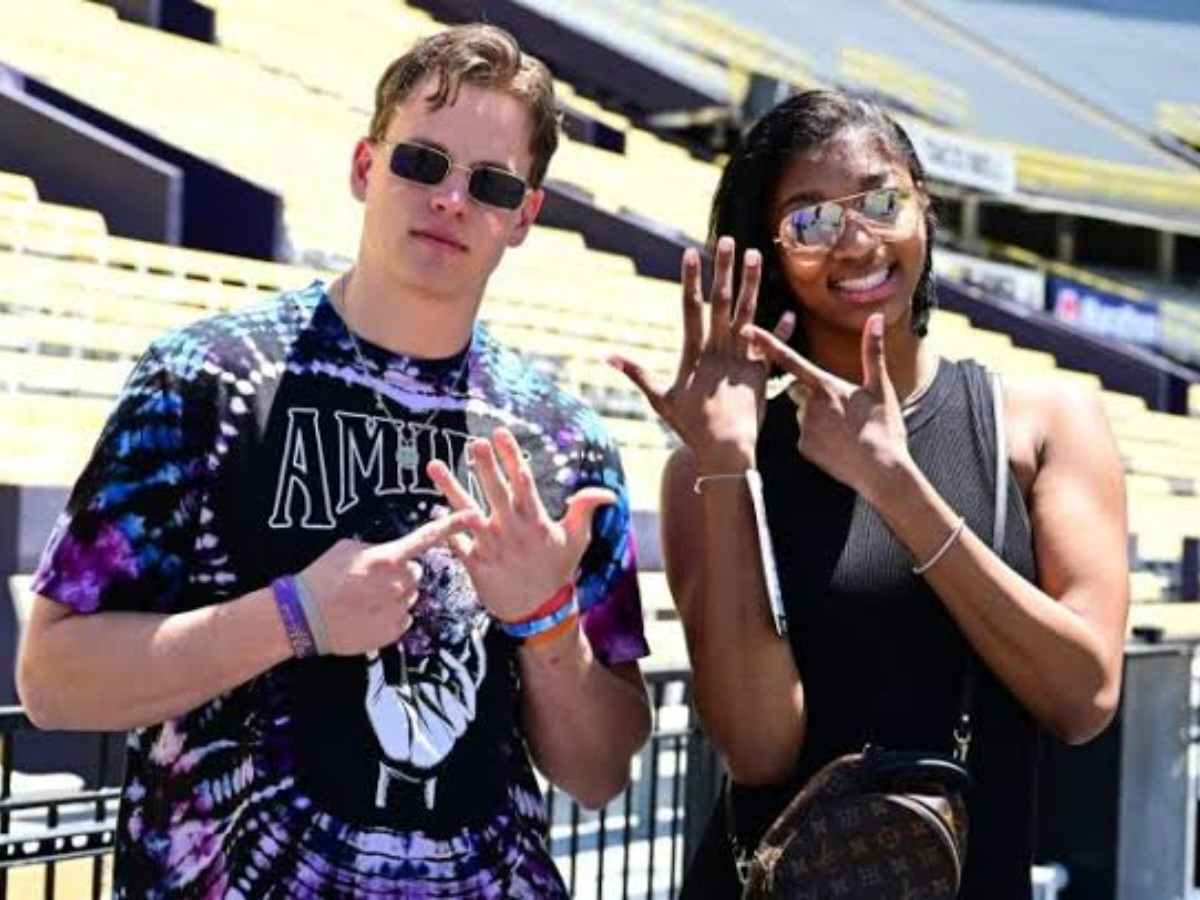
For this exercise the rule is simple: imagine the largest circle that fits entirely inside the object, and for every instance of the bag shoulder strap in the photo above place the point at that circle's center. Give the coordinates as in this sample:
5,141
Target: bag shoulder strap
962,728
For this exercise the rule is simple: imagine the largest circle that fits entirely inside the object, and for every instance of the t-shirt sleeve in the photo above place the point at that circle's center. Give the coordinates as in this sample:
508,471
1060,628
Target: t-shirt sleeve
125,538
609,597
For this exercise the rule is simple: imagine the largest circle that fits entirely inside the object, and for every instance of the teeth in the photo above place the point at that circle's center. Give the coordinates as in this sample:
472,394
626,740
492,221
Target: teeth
874,280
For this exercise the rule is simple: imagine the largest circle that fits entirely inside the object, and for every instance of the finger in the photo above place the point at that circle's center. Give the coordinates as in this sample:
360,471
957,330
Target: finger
800,393
874,361
693,309
434,532
524,490
785,357
405,591
783,330
456,495
461,546
722,292
747,303
577,521
495,486
403,623
641,380
406,581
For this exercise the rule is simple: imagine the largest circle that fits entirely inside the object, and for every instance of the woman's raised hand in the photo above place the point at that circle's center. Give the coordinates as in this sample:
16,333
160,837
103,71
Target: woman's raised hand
715,402
855,433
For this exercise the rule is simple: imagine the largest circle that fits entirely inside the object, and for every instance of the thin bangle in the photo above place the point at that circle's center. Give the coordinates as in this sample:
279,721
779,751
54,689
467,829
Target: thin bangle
954,534
740,476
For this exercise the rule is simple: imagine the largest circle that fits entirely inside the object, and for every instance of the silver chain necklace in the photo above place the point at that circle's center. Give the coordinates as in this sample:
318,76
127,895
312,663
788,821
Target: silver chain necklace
913,400
407,455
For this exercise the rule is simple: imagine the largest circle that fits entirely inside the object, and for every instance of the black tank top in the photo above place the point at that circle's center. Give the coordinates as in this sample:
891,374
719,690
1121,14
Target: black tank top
880,658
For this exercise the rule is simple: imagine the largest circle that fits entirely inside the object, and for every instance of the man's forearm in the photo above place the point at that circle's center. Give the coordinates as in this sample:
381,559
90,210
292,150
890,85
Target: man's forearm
583,720
114,671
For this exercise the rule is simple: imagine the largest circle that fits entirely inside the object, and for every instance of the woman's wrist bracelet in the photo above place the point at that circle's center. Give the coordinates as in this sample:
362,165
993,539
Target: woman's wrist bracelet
955,532
295,622
732,476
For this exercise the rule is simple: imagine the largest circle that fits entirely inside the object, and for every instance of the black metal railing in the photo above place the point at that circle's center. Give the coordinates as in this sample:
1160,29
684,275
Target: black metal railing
45,826
635,847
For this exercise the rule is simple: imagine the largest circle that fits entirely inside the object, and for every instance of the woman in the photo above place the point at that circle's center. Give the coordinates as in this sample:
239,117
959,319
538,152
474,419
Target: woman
878,461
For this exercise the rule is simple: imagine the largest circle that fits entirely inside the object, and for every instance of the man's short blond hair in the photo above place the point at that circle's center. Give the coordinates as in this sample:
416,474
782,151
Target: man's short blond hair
480,55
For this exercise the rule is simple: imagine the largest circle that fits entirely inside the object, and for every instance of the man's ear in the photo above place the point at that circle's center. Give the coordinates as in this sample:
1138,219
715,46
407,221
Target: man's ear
527,215
360,167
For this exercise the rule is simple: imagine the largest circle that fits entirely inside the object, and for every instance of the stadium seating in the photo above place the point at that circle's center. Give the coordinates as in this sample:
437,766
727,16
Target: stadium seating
936,99
1075,44
304,42
1181,120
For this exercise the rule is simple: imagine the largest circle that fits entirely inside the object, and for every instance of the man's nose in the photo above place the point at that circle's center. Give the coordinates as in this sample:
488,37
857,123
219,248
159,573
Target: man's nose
451,195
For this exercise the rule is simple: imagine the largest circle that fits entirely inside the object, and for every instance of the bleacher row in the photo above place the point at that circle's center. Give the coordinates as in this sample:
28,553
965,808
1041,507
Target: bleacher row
77,306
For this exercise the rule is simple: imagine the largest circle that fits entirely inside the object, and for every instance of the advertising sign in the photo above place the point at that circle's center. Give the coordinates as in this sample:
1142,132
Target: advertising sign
1021,285
962,160
1105,314
1181,331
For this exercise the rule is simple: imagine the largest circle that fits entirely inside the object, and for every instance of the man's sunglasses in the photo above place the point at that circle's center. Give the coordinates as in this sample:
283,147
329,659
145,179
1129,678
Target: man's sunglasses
487,184
820,226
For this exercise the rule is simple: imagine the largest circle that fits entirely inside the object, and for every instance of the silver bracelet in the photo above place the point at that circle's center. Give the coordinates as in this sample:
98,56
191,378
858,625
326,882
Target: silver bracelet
954,534
740,476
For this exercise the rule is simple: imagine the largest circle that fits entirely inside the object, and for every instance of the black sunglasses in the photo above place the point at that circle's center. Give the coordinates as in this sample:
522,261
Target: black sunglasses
487,184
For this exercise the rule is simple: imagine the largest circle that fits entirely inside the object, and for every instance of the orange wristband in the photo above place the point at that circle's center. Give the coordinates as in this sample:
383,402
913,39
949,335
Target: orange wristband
558,630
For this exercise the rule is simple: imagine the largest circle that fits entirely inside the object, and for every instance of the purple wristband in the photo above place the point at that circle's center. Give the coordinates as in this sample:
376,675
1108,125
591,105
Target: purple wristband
295,623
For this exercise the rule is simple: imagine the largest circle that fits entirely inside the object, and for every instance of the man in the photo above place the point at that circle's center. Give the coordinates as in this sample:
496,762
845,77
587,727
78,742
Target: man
277,570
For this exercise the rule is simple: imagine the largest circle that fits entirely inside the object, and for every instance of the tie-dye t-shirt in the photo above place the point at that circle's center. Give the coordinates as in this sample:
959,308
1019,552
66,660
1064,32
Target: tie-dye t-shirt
241,448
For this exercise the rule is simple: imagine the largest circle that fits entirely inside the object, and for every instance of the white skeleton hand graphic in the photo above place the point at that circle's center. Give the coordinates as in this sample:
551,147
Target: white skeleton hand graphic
419,717
418,723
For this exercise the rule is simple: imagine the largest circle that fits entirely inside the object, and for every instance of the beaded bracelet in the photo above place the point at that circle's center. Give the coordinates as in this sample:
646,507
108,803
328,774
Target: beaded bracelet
295,622
561,607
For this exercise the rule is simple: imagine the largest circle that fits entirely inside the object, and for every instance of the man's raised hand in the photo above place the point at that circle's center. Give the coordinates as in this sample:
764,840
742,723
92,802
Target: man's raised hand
517,556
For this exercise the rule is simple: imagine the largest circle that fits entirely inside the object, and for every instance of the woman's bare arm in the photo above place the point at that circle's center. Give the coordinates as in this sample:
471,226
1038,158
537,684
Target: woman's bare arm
1058,647
747,689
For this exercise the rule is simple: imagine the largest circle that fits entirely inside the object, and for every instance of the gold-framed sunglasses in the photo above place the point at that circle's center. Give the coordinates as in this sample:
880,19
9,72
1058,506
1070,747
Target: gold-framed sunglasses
429,166
815,229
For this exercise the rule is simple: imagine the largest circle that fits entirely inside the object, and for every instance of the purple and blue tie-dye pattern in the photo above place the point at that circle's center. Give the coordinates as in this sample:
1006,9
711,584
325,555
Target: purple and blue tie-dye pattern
240,449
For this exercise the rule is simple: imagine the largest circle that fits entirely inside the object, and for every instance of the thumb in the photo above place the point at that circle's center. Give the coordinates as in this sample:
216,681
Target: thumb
874,359
641,380
577,523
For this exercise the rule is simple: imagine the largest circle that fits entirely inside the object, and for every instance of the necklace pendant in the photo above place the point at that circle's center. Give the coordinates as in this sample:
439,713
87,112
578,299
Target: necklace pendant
407,456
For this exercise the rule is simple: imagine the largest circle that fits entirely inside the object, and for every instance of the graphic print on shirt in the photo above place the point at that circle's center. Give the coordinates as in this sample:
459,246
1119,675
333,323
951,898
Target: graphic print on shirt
442,662
422,691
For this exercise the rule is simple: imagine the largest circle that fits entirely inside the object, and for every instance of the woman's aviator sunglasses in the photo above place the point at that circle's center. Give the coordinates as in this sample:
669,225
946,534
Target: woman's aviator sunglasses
820,226
487,184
